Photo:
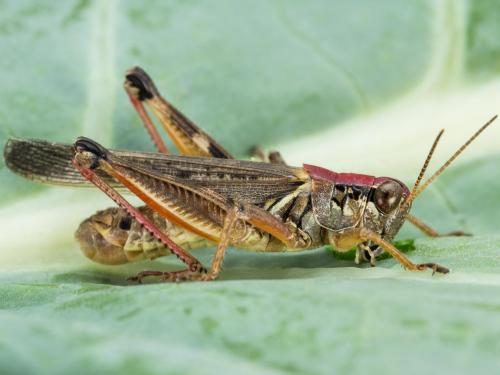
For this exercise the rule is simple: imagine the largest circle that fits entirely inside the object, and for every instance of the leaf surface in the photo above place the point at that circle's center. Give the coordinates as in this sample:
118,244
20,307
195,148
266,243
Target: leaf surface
347,85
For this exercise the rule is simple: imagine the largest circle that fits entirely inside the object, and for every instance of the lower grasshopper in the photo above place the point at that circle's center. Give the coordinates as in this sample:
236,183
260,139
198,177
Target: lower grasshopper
206,197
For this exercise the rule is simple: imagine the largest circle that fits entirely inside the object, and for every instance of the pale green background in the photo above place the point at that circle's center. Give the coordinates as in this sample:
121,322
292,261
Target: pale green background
358,86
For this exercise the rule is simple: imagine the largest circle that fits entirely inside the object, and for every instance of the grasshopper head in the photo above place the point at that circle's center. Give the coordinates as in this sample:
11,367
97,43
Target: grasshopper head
345,201
103,236
385,209
384,214
391,200
379,207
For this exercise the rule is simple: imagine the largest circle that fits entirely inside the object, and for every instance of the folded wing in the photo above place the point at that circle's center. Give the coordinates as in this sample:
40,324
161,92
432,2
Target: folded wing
50,163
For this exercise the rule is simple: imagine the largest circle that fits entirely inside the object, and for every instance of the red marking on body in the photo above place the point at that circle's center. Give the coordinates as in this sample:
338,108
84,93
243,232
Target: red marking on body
318,173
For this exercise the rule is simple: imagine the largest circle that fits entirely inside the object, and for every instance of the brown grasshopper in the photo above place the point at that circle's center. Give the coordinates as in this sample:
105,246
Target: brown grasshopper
205,197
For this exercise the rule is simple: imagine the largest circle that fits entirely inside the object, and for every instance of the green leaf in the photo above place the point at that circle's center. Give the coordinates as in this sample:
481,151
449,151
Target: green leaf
351,86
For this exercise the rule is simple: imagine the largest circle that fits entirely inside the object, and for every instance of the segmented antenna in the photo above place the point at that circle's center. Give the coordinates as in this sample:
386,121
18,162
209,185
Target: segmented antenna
426,164
416,191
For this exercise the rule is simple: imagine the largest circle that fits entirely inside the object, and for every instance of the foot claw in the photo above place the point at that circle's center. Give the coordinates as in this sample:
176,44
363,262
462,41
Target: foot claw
143,274
458,233
434,267
174,276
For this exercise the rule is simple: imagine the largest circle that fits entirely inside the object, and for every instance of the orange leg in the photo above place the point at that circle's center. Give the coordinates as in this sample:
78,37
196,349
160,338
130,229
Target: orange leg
243,213
363,235
187,137
189,275
149,125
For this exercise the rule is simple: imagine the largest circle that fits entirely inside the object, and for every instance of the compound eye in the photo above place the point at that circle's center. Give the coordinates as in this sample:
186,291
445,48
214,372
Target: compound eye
387,196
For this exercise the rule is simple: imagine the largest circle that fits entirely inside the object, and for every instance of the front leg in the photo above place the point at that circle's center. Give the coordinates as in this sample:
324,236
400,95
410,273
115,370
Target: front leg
362,235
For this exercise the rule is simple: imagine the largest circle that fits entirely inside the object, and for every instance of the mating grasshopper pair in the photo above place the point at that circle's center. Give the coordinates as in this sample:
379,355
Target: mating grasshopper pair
205,197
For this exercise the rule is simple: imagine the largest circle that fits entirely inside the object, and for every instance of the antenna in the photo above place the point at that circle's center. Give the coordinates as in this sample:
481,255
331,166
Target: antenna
426,164
416,191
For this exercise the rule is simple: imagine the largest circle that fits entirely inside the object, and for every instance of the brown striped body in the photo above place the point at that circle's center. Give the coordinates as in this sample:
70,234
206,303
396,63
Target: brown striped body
113,237
191,195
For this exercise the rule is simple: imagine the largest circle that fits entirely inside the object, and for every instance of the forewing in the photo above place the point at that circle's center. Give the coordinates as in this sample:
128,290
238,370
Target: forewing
43,161
49,162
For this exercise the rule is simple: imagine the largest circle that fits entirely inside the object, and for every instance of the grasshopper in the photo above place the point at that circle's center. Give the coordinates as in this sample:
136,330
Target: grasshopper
206,197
